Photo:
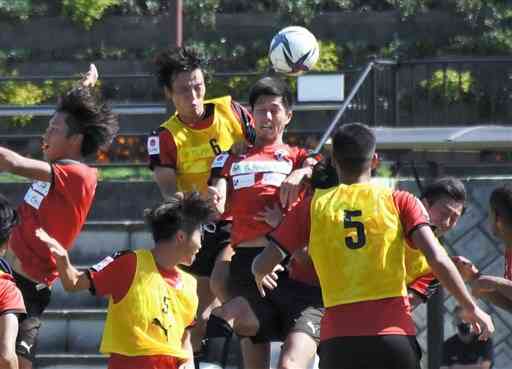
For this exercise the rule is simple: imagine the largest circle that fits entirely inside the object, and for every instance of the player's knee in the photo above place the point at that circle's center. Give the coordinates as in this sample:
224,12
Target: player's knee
8,359
247,323
288,361
219,287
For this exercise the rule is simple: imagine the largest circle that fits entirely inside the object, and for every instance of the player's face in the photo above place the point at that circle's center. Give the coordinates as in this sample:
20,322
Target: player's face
444,214
191,246
56,142
270,118
187,95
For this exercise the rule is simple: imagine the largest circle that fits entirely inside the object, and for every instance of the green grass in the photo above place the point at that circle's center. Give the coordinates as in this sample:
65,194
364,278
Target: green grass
126,174
106,174
9,178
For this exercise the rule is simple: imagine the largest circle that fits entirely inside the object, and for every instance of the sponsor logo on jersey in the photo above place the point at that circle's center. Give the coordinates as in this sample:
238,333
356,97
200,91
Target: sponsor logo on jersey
252,167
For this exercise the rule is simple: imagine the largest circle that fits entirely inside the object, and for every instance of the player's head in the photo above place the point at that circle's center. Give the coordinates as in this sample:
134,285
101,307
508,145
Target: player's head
8,219
179,72
271,101
444,199
501,212
179,222
81,125
353,150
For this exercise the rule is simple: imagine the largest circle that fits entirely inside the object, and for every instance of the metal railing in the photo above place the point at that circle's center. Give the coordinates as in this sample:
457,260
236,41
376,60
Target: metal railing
437,91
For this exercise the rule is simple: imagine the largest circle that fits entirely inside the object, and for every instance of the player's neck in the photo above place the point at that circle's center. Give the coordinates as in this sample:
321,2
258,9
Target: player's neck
71,155
259,142
163,259
193,118
349,179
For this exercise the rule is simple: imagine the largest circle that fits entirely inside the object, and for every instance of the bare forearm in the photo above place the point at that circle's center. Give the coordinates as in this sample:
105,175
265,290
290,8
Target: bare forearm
186,345
501,293
13,162
447,274
504,288
265,262
72,279
442,266
166,180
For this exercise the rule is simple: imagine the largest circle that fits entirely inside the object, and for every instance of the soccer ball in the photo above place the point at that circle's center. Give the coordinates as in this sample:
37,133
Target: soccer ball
293,51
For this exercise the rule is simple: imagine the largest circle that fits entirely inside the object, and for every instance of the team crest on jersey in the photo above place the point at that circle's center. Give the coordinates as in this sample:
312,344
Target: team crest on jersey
153,145
281,154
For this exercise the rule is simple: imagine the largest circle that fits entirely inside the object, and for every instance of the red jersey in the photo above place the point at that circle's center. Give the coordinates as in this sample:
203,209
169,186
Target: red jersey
388,316
59,207
254,180
304,273
163,152
508,264
11,300
114,278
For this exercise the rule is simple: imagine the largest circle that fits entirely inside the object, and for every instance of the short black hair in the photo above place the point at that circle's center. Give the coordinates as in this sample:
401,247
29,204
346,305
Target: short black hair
271,86
182,212
353,146
86,114
8,219
450,187
501,203
171,62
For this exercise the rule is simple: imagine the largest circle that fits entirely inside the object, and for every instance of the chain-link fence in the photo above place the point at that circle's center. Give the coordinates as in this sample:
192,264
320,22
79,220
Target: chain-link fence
472,238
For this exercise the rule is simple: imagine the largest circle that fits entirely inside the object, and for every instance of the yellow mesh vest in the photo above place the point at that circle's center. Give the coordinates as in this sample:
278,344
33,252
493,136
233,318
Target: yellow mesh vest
151,318
195,147
357,244
416,264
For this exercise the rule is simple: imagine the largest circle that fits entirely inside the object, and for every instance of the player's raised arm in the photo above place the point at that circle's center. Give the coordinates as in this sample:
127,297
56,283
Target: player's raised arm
447,273
15,163
72,279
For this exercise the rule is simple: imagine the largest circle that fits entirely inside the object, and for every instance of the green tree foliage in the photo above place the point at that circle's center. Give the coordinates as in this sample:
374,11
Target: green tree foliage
86,12
22,94
449,85
16,8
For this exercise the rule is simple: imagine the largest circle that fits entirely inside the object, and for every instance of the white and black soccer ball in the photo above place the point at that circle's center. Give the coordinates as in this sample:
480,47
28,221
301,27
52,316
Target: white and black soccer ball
293,51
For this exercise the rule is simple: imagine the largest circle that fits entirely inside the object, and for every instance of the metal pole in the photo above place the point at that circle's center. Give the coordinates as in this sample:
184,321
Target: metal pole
435,333
344,106
396,103
179,23
373,108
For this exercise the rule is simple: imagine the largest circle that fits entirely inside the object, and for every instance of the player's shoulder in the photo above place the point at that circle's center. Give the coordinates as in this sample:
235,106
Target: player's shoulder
117,256
74,168
187,279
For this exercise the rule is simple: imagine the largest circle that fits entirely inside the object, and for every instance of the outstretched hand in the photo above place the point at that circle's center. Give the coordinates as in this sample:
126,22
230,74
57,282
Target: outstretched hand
268,281
482,323
467,269
215,200
55,247
91,77
270,215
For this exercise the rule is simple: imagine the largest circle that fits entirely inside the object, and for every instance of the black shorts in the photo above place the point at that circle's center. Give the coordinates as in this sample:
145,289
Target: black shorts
241,283
211,245
300,307
370,352
37,298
